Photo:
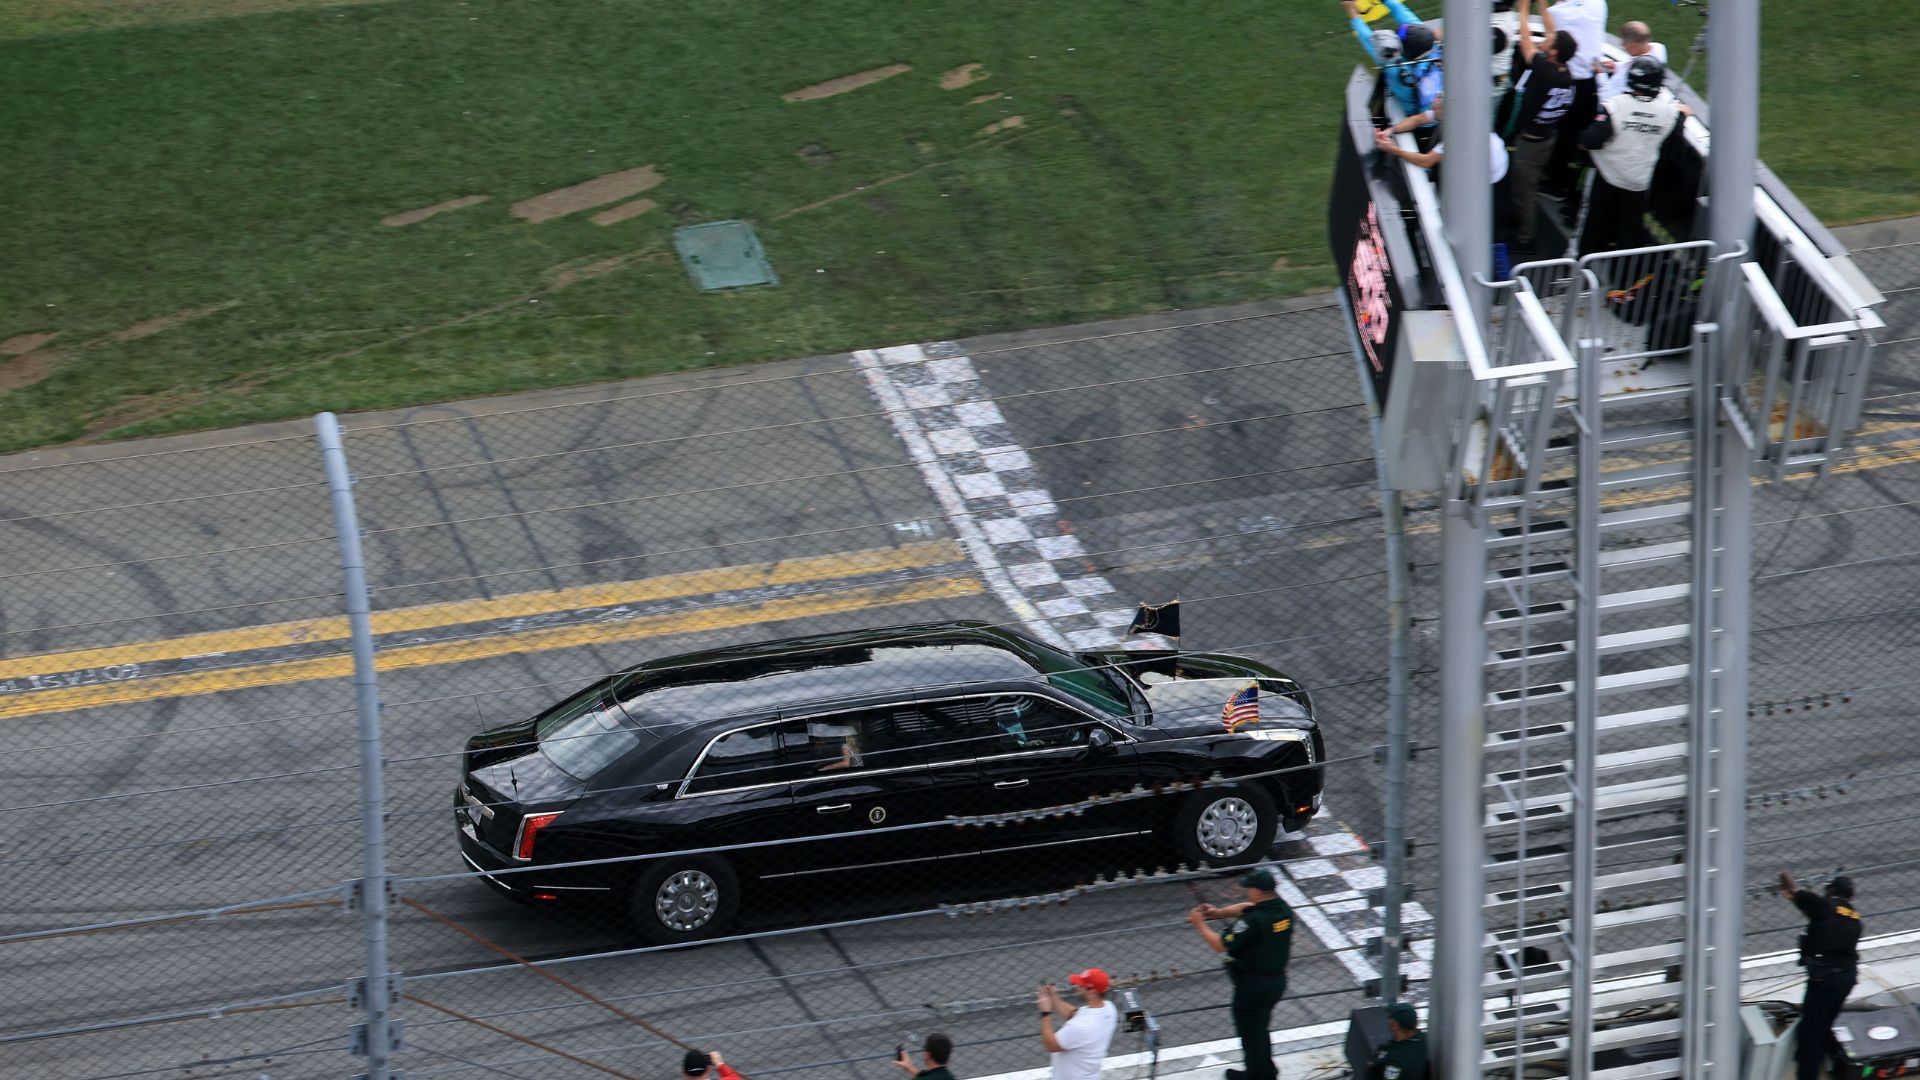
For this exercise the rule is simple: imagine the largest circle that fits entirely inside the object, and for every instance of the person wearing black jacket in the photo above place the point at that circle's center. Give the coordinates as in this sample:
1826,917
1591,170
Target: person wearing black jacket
1545,91
1829,950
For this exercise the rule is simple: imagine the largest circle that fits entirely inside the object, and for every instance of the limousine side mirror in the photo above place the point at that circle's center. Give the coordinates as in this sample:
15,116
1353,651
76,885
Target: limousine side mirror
1099,741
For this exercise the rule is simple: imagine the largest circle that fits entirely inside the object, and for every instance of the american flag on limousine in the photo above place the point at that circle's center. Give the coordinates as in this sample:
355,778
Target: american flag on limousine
1242,708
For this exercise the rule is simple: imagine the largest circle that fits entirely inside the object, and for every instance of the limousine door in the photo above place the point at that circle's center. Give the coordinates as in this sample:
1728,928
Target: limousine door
861,776
1047,756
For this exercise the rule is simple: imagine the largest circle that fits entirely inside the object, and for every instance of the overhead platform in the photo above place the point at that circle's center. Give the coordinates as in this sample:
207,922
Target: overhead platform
1811,308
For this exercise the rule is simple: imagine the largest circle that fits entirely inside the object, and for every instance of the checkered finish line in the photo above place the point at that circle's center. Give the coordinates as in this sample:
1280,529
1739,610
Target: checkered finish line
1328,871
1026,551
993,496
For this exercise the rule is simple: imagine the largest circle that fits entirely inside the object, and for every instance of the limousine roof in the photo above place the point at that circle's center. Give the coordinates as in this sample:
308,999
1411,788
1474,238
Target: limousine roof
801,674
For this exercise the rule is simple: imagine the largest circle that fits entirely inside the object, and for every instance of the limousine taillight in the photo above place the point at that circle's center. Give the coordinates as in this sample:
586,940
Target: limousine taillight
530,827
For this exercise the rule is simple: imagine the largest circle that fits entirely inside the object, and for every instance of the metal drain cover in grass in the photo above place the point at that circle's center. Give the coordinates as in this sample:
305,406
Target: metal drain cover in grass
723,255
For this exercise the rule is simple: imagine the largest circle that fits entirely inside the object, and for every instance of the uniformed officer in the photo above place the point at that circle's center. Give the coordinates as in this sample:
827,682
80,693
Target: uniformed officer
1258,946
1829,950
1404,1057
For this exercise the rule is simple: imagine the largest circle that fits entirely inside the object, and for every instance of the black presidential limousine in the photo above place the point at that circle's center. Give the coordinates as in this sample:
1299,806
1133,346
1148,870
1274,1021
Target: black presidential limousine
848,736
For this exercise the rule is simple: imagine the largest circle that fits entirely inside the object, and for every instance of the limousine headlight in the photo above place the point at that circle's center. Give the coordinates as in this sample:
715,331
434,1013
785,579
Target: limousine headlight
1282,734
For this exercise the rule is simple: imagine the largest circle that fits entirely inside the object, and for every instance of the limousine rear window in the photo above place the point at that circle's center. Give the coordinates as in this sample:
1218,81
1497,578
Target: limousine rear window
585,734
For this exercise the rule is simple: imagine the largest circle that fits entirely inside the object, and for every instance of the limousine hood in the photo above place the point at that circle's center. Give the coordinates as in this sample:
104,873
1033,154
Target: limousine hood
1197,702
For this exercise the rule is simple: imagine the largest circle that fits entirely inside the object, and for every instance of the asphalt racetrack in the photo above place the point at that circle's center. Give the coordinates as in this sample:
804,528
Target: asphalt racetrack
182,758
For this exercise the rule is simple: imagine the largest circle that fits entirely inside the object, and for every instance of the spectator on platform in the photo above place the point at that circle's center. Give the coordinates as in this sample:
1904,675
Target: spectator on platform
1383,141
1830,951
1586,20
1404,1057
1258,950
1078,1046
700,1065
1546,94
1636,39
1409,58
934,1055
1625,138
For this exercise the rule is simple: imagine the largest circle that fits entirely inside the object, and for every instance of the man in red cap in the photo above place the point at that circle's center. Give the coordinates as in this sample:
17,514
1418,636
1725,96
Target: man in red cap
1078,1045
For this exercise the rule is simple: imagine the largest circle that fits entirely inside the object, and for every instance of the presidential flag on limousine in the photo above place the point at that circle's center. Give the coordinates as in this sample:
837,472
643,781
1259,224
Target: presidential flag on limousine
1163,620
1242,708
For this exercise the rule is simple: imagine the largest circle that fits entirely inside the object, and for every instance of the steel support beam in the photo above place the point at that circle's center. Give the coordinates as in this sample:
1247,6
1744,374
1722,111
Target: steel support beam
1733,89
1461,926
1466,199
1735,534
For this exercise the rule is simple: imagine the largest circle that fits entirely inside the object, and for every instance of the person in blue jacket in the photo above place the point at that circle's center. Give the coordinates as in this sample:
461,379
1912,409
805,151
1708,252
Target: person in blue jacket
1409,58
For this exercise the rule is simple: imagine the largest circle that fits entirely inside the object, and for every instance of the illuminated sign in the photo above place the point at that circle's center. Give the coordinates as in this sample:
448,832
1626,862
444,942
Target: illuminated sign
1354,231
1367,280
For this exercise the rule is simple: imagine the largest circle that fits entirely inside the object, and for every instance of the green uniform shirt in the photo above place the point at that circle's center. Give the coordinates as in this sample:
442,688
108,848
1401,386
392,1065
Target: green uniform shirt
1405,1059
1263,941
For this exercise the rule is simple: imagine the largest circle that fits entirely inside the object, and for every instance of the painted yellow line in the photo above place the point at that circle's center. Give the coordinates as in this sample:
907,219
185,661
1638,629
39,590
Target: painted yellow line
489,646
1900,452
518,605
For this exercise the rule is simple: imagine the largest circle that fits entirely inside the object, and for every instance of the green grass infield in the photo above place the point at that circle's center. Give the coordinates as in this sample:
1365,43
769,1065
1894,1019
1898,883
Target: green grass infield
219,208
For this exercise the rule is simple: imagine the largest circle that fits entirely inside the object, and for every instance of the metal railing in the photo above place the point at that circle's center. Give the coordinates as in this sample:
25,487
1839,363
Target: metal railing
1640,304
1508,417
1799,386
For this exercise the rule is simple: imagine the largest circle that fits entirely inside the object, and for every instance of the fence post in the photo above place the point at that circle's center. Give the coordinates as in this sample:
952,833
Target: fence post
375,1038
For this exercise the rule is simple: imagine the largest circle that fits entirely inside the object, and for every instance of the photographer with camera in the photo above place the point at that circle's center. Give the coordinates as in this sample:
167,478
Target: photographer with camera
1078,1047
700,1065
1257,948
934,1055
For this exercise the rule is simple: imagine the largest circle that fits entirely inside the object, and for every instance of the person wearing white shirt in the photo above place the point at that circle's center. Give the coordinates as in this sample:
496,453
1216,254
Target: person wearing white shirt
1636,39
1077,1048
1586,20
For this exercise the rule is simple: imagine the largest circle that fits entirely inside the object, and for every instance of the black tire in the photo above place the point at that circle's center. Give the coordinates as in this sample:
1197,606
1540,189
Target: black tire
690,898
1225,826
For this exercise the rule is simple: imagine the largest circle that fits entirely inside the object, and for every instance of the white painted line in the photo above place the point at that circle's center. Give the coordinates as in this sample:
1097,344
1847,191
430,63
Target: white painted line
941,484
1330,935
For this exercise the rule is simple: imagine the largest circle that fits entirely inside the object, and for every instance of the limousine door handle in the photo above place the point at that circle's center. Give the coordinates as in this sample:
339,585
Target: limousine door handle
1009,783
834,809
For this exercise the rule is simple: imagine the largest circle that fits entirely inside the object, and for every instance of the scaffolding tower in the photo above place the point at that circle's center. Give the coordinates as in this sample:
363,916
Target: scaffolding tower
1593,425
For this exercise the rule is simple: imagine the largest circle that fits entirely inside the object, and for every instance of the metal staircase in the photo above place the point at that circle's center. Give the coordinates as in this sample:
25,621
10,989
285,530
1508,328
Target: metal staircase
1594,450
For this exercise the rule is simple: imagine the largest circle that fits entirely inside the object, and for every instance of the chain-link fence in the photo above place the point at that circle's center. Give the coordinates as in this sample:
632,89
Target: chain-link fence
772,867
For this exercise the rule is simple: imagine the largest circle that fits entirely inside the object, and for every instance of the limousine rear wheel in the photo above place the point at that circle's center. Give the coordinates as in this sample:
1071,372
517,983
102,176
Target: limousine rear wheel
685,899
1225,826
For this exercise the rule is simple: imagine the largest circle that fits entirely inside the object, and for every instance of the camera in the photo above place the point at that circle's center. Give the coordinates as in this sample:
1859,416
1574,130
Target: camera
1132,1010
900,1048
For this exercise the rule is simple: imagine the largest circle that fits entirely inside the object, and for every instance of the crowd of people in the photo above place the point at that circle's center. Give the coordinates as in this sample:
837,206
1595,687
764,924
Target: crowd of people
1565,109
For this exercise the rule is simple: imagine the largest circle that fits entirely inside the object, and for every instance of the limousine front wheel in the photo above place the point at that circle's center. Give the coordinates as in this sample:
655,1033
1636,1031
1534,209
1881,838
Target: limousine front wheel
1226,826
685,899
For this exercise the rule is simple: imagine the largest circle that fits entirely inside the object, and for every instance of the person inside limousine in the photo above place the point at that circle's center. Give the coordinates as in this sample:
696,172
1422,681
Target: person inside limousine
827,738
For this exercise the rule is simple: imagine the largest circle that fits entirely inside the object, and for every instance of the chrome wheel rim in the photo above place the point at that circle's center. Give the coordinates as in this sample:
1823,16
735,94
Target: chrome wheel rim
1227,826
686,900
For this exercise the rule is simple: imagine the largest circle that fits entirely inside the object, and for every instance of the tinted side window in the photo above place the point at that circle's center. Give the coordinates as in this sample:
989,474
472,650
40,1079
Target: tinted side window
1029,723
743,758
